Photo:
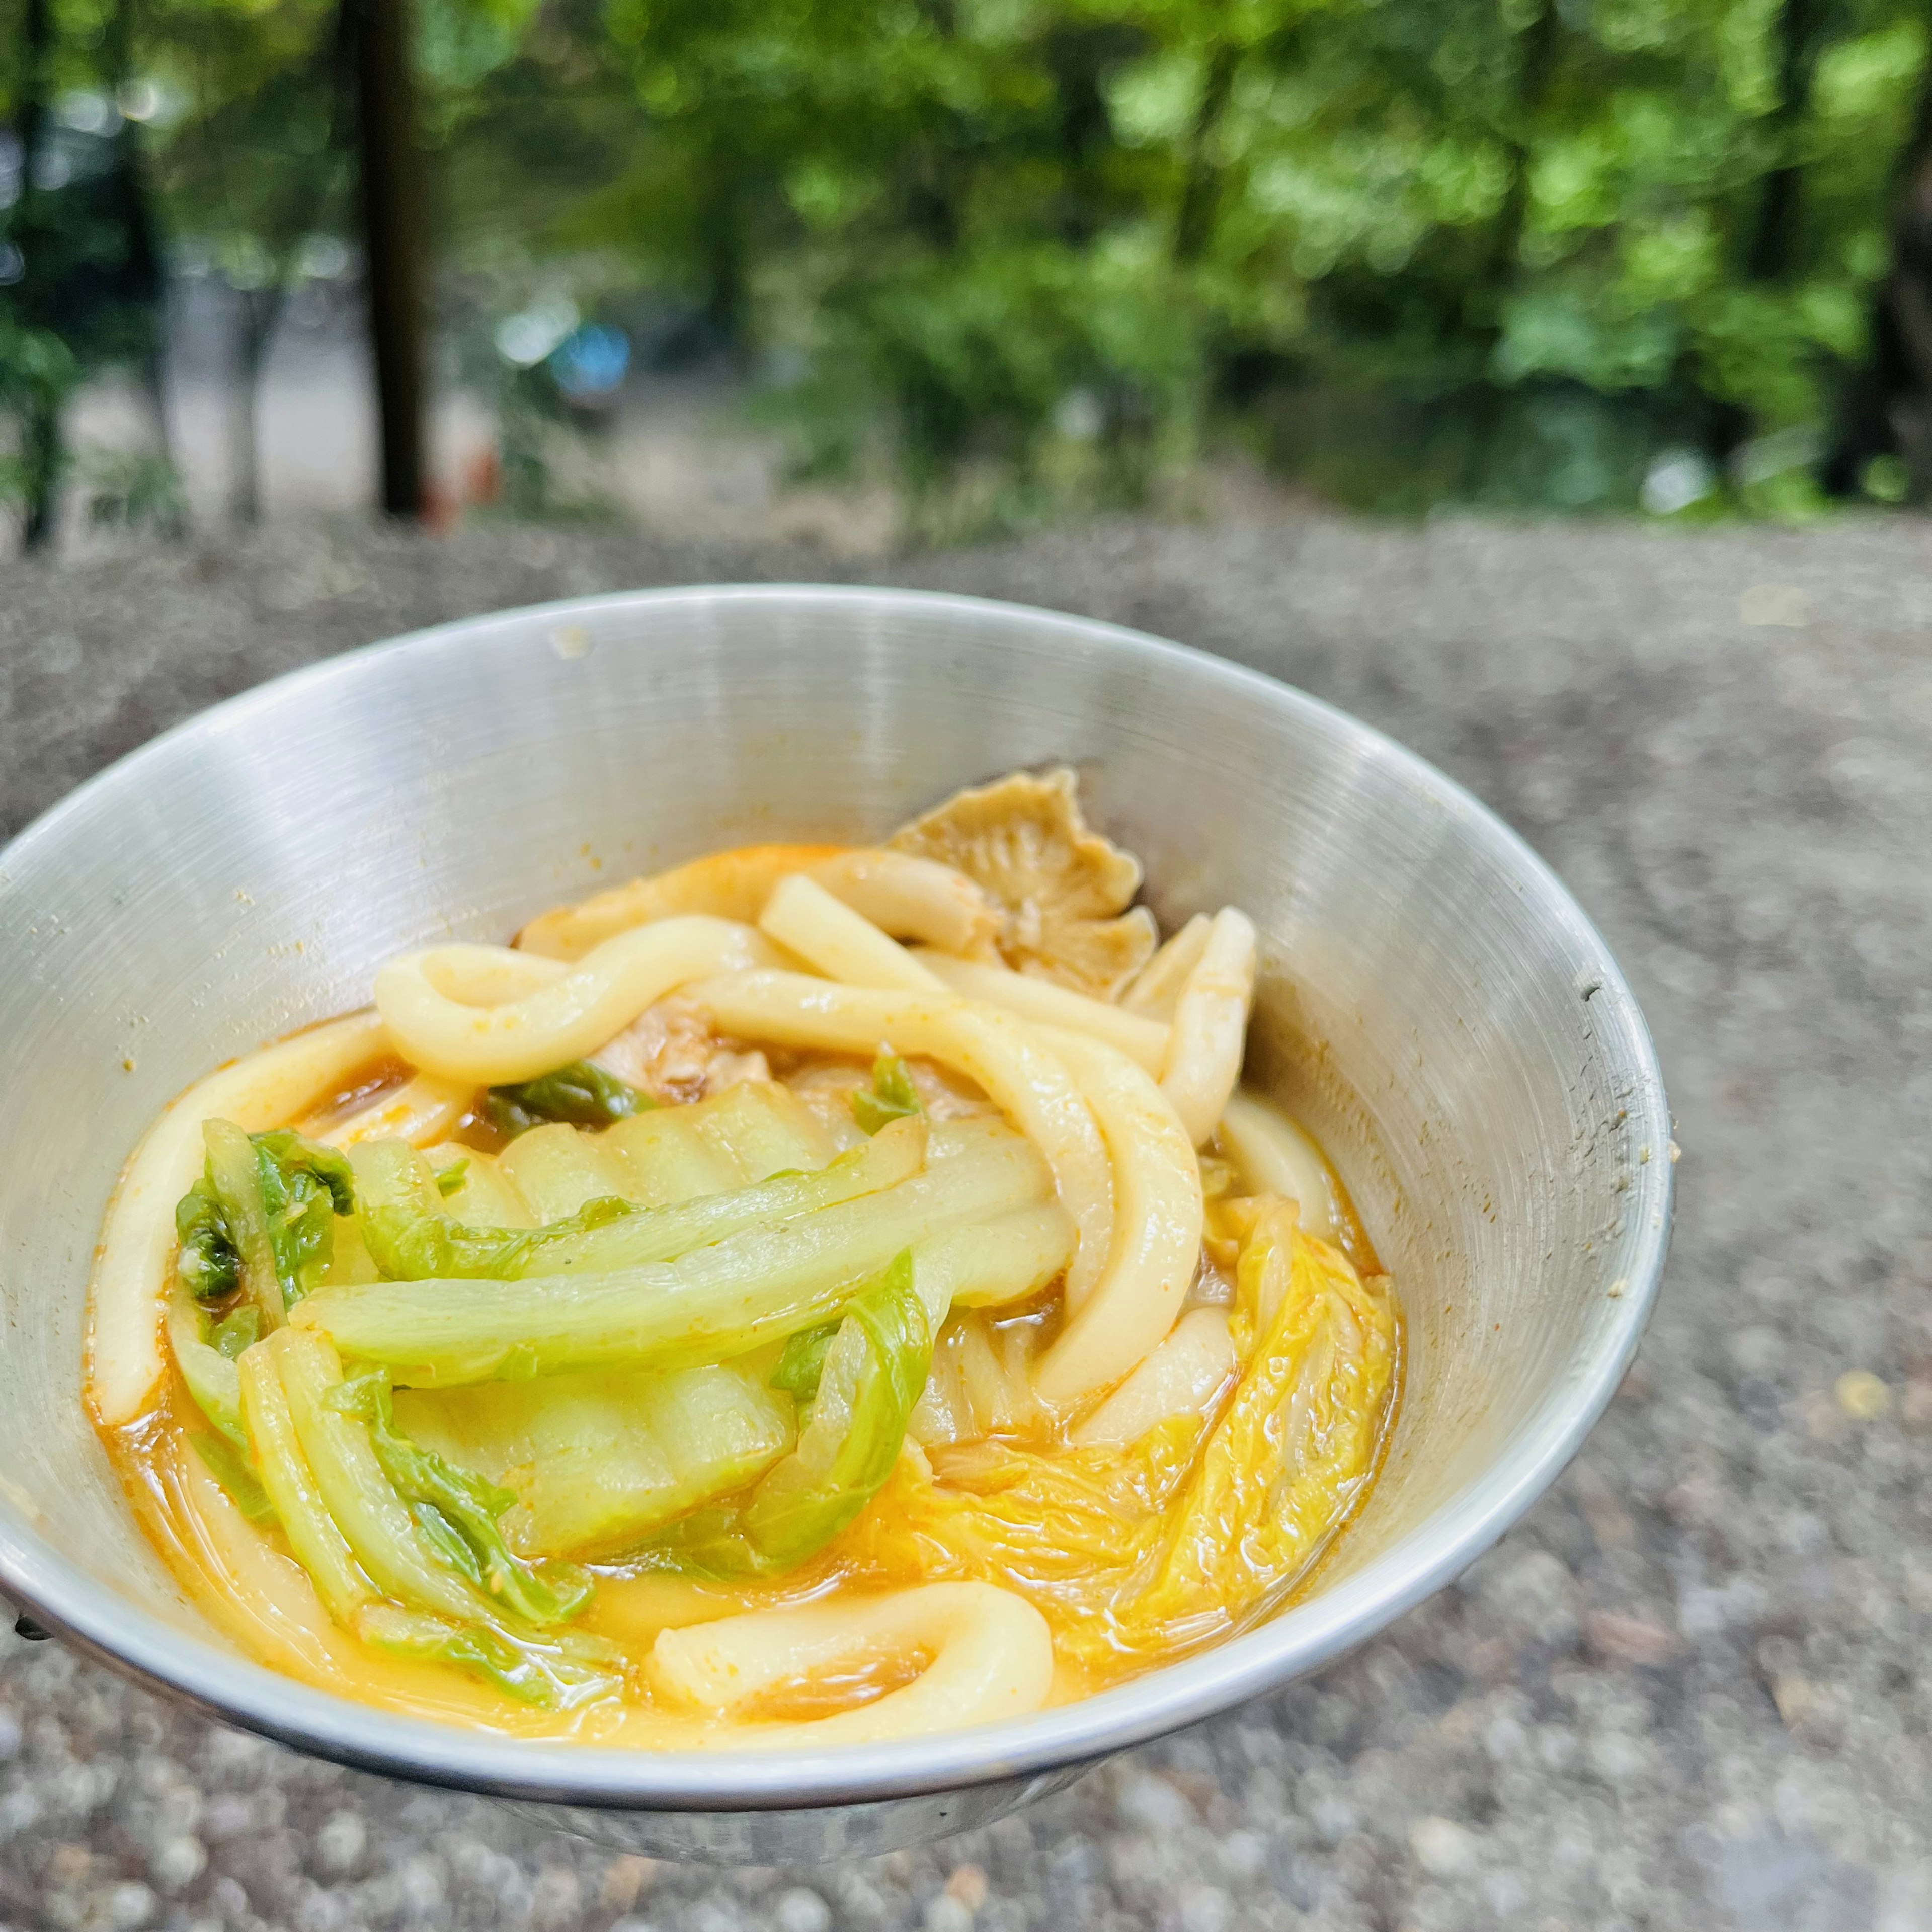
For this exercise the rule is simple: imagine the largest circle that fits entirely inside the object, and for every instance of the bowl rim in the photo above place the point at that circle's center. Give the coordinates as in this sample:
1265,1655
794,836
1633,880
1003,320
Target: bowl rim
57,1594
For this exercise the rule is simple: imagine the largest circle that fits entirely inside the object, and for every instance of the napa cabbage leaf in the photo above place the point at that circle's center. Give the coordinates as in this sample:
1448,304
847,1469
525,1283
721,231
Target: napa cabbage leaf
581,1094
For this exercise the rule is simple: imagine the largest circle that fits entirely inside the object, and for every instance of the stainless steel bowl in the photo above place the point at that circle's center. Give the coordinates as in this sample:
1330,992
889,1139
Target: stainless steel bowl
1432,1003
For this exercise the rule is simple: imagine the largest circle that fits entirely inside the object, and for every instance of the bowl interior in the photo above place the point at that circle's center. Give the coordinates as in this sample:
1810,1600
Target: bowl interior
1432,1005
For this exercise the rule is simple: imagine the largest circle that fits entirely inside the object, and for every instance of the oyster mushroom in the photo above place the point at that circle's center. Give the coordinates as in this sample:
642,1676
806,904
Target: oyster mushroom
1065,893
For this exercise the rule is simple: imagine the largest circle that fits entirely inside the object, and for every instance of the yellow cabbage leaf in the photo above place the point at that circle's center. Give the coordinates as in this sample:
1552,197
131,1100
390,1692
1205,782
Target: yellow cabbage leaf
1133,1552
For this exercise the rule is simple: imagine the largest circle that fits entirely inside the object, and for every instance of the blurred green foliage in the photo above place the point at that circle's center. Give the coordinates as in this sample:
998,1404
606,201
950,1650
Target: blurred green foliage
79,264
1415,249
1023,253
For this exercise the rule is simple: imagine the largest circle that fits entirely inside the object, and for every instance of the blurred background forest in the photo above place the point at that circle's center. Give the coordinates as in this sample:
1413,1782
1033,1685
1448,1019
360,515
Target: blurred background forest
981,262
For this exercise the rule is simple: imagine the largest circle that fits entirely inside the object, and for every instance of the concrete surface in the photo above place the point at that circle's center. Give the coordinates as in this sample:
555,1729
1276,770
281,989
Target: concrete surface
1687,1691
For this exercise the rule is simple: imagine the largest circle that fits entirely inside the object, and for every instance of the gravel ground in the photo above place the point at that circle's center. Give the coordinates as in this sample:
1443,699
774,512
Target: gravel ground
1686,1692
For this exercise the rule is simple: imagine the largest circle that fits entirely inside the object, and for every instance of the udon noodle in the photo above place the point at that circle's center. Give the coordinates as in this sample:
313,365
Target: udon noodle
811,1295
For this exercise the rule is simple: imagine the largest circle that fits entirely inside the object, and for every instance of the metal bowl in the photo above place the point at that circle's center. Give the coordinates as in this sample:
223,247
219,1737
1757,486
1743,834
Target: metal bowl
1432,1003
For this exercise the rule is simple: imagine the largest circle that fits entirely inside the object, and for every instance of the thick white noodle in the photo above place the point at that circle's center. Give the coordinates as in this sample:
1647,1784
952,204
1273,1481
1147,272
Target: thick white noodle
991,1652
1154,989
912,897
1022,1075
732,884
909,897
826,933
130,1278
1181,1377
1210,1024
1155,1243
421,1111
1041,1001
1157,1246
1275,1156
447,1009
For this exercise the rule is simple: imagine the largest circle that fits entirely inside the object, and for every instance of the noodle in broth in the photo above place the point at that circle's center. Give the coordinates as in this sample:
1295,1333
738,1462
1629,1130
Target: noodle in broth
812,1295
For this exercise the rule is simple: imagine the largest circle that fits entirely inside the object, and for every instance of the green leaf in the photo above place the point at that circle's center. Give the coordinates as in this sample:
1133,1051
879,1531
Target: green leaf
229,1468
892,1097
449,1502
601,1462
450,1178
305,1186
236,1330
406,1245
233,1181
211,1378
663,1233
261,1218
803,1362
447,1540
707,1305
292,1154
208,1265
872,1373
581,1094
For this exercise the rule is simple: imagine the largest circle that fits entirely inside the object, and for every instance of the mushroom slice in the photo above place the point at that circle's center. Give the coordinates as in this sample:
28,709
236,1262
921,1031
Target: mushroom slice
1064,890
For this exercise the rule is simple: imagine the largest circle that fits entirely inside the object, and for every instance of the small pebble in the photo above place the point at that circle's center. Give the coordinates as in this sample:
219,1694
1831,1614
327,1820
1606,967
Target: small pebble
1618,1758
626,1878
179,1862
1442,1847
1630,1639
1154,1805
1244,1854
557,1899
340,1843
1862,1395
948,1914
1205,1908
128,1905
967,1883
802,1911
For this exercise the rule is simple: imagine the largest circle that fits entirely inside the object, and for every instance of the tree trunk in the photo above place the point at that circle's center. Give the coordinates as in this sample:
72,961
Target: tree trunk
257,311
726,295
1768,258
1194,223
1887,408
41,416
36,39
1541,40
148,278
935,171
379,42
45,466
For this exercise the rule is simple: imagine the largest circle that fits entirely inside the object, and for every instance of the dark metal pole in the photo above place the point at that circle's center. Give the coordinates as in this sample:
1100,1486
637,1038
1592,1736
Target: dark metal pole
380,39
